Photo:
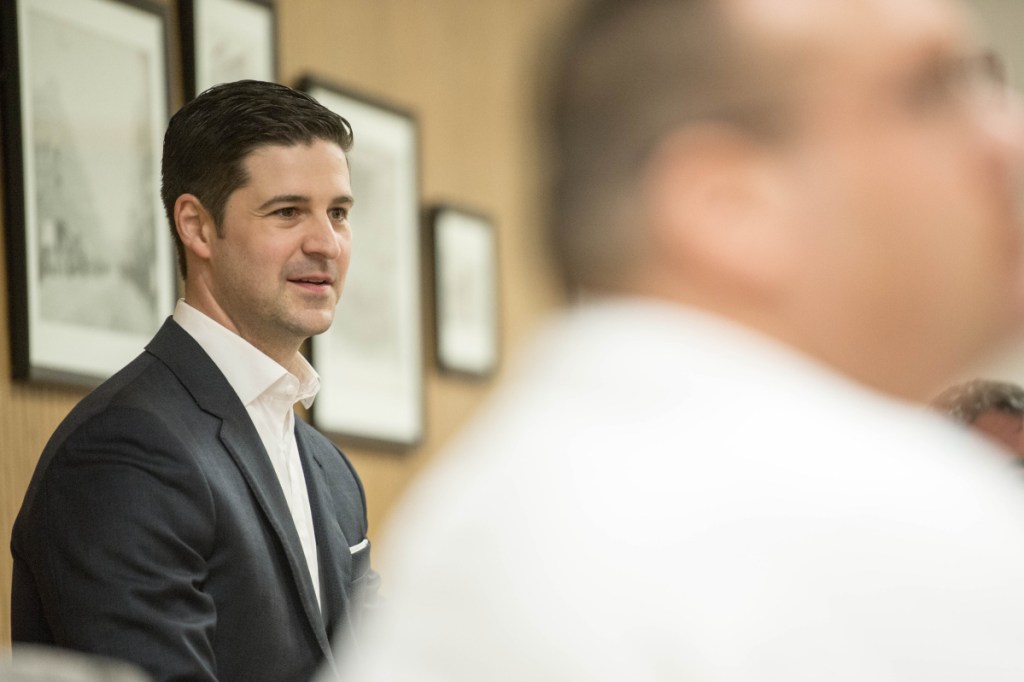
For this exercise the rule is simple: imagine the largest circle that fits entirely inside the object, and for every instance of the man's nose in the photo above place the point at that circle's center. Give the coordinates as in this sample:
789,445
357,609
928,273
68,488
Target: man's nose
322,238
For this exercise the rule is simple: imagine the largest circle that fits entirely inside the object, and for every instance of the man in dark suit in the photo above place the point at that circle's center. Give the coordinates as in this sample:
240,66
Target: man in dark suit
181,517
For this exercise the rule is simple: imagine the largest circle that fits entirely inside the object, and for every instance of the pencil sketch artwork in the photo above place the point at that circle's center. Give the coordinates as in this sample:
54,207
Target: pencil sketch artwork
234,40
95,203
467,297
465,294
368,318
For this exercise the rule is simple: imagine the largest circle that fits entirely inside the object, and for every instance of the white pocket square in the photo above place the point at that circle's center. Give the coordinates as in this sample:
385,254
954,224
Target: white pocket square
360,546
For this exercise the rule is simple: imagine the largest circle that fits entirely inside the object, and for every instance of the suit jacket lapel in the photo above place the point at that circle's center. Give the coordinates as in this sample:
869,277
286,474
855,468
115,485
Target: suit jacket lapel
212,392
332,545
242,441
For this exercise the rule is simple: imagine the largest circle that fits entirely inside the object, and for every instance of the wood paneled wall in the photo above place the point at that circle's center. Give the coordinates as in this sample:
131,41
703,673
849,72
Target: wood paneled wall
467,69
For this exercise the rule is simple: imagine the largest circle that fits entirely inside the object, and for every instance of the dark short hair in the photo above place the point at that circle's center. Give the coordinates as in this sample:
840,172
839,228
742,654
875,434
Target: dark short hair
208,140
623,76
967,401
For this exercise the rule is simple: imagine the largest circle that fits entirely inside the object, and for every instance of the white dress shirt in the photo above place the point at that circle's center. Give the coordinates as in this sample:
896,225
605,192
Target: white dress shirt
269,393
659,495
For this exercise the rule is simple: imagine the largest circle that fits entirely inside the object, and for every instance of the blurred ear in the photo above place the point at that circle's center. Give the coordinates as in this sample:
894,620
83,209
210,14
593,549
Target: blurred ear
720,211
195,226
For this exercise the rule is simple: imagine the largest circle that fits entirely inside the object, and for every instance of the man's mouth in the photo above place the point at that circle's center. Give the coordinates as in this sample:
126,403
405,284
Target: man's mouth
313,281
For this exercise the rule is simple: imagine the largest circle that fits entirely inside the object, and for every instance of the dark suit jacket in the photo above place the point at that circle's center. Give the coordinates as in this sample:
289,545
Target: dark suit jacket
155,530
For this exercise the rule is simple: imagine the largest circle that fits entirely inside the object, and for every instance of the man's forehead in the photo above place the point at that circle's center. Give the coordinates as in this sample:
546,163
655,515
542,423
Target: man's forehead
289,170
274,148
280,160
850,24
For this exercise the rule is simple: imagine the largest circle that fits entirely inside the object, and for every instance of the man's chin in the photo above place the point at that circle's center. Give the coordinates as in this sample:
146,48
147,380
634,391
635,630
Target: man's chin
314,325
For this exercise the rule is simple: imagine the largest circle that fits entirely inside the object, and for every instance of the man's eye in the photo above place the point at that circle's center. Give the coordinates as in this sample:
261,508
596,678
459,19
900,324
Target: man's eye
939,85
988,76
956,82
287,212
338,214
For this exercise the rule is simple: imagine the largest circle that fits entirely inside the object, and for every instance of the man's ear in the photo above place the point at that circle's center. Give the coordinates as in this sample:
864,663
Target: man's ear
195,226
720,210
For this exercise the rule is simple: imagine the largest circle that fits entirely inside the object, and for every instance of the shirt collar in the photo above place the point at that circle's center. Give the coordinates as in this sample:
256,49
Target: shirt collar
250,372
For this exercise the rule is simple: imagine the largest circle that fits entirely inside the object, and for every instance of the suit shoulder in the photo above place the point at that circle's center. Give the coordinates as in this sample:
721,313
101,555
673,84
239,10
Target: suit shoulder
138,400
141,382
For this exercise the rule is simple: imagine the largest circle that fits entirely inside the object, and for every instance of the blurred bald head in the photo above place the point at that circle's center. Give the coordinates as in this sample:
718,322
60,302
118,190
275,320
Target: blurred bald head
631,73
763,161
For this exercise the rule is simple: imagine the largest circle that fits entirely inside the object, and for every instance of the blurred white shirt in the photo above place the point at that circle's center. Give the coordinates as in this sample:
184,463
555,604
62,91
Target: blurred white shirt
660,495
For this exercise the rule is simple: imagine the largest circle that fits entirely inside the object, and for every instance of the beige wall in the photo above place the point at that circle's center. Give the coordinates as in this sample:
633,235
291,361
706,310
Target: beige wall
1002,22
1002,27
465,68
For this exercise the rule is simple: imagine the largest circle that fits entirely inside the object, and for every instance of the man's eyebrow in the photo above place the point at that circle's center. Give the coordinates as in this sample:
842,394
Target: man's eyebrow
283,199
301,199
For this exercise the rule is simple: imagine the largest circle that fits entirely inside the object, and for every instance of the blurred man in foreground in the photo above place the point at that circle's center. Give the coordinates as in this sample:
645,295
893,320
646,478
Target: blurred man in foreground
792,220
994,409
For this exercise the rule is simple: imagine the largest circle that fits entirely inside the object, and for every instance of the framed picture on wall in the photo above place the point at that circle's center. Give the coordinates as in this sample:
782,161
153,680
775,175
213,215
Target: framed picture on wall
371,360
227,40
465,264
85,105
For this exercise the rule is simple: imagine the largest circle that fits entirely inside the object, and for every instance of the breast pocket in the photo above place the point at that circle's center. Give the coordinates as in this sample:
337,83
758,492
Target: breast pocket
360,557
365,581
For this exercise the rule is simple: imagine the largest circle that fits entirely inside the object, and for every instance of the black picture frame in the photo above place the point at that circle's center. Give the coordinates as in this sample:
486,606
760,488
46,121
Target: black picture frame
227,40
466,298
85,104
371,359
